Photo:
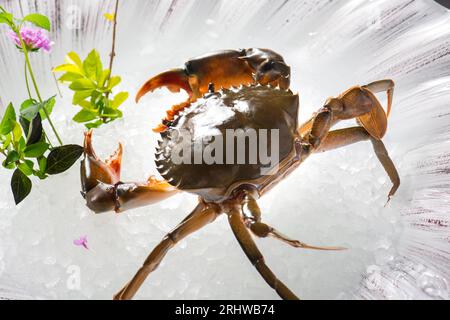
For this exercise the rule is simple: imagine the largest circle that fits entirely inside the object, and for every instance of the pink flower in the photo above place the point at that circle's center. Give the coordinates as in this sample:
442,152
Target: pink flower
34,39
82,241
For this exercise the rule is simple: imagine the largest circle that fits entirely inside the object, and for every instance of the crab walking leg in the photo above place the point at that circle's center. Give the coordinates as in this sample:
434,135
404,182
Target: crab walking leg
200,217
262,230
320,127
254,255
344,137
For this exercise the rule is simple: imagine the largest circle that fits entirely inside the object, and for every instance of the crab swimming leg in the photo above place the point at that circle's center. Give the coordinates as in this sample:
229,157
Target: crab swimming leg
344,137
103,190
360,103
200,217
262,230
381,86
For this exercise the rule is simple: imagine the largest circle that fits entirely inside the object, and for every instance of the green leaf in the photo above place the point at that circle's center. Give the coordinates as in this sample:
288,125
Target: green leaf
113,81
86,105
82,85
103,78
96,98
73,58
40,175
84,116
7,18
42,161
20,186
17,132
119,99
112,113
8,120
29,109
92,65
38,20
25,168
21,145
94,124
12,157
47,105
67,67
70,77
81,95
7,141
28,103
62,158
35,150
9,166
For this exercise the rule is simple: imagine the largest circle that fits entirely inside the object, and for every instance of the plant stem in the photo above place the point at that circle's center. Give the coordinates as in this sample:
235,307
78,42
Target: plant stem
49,142
57,85
113,49
26,81
33,79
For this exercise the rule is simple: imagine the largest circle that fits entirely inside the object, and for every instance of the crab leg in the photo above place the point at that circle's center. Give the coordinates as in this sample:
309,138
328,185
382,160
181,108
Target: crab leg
359,103
262,230
381,86
344,137
200,217
254,255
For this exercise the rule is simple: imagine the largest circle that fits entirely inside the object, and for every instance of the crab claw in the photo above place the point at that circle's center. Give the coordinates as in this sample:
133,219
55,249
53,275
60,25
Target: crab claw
174,80
103,190
94,170
128,195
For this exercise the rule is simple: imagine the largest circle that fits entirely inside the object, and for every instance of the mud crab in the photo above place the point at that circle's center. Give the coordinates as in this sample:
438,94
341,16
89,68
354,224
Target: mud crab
239,90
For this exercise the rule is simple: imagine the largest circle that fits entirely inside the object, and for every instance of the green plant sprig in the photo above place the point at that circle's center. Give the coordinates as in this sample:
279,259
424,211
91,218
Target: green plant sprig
16,24
23,141
92,86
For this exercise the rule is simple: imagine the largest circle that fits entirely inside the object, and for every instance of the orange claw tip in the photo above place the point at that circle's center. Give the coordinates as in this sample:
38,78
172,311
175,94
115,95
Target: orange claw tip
174,80
115,160
160,128
88,149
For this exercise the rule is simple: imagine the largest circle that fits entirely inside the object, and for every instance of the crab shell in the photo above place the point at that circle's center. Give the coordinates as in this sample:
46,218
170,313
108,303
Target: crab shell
197,127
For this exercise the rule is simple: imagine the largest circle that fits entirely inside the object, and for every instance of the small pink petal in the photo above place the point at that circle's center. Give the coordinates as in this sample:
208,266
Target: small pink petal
82,241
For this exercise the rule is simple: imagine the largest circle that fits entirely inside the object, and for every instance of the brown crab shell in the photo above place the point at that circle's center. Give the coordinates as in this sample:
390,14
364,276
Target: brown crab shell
248,107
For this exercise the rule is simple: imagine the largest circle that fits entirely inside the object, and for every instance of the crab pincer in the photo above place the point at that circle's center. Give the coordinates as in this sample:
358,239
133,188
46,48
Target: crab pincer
103,190
224,69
